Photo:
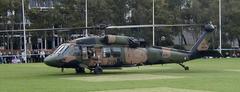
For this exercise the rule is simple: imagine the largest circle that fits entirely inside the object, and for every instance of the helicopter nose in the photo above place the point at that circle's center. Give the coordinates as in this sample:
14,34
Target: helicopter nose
53,61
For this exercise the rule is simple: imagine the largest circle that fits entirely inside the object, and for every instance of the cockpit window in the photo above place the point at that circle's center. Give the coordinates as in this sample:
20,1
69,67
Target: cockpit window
65,50
61,49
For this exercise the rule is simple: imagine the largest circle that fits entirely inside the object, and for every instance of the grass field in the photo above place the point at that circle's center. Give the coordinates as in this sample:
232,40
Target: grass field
205,75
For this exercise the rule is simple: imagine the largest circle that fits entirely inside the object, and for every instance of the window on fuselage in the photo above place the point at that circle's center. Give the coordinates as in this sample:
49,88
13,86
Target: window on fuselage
116,52
106,52
84,53
76,51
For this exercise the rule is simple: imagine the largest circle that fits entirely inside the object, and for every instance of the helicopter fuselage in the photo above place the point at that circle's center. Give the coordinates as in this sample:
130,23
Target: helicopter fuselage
116,52
97,53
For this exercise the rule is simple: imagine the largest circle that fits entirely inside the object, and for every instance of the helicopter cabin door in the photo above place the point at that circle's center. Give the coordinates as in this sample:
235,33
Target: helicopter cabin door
94,56
84,53
105,56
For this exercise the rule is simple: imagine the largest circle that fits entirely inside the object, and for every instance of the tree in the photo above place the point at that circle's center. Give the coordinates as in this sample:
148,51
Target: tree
231,25
131,12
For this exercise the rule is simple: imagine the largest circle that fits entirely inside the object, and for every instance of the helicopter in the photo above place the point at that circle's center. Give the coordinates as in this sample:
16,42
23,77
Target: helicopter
114,51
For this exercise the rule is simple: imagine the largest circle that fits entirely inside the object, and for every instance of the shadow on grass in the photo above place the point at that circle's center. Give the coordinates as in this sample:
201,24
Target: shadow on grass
124,72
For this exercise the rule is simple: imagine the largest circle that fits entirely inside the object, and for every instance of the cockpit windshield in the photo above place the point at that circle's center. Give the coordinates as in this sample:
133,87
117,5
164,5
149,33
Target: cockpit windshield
61,49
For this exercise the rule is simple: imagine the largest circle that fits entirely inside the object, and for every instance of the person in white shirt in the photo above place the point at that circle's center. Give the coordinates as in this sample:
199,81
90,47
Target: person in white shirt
42,55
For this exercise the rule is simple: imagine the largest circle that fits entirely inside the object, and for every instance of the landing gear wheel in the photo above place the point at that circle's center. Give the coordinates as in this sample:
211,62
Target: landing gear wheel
80,70
62,69
185,67
98,70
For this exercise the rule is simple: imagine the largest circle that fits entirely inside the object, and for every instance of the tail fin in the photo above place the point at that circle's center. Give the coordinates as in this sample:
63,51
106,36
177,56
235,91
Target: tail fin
201,43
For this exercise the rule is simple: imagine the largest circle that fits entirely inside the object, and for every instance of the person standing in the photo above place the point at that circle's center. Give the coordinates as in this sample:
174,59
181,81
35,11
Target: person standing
42,55
1,59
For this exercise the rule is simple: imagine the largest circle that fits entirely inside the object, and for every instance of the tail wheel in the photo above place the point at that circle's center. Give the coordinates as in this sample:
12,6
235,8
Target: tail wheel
185,67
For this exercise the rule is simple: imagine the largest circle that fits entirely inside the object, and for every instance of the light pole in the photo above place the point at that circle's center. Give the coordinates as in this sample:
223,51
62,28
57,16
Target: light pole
153,2
24,33
86,17
220,27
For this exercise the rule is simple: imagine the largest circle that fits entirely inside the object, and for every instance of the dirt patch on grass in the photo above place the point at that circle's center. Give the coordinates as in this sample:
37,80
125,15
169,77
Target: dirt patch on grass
123,77
158,89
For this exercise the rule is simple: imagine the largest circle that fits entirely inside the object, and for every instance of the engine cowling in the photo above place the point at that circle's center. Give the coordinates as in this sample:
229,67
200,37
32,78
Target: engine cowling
115,39
121,40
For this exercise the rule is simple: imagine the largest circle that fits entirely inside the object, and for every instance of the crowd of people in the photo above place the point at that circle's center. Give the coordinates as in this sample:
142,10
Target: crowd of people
33,56
231,55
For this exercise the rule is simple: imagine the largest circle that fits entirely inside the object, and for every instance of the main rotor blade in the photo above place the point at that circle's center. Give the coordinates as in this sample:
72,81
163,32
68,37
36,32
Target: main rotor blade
81,28
4,31
27,30
102,27
149,26
50,29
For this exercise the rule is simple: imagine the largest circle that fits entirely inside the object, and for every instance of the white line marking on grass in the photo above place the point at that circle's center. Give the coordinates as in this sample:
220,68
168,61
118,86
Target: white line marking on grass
147,67
232,70
157,89
122,77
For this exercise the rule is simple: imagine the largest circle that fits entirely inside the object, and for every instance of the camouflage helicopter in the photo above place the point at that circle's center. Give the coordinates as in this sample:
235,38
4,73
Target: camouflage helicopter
113,51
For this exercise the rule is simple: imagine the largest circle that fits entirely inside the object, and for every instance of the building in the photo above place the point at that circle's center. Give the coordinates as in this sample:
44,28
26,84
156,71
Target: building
41,4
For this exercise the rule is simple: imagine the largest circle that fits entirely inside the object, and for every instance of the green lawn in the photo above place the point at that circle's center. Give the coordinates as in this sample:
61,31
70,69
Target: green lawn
205,75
